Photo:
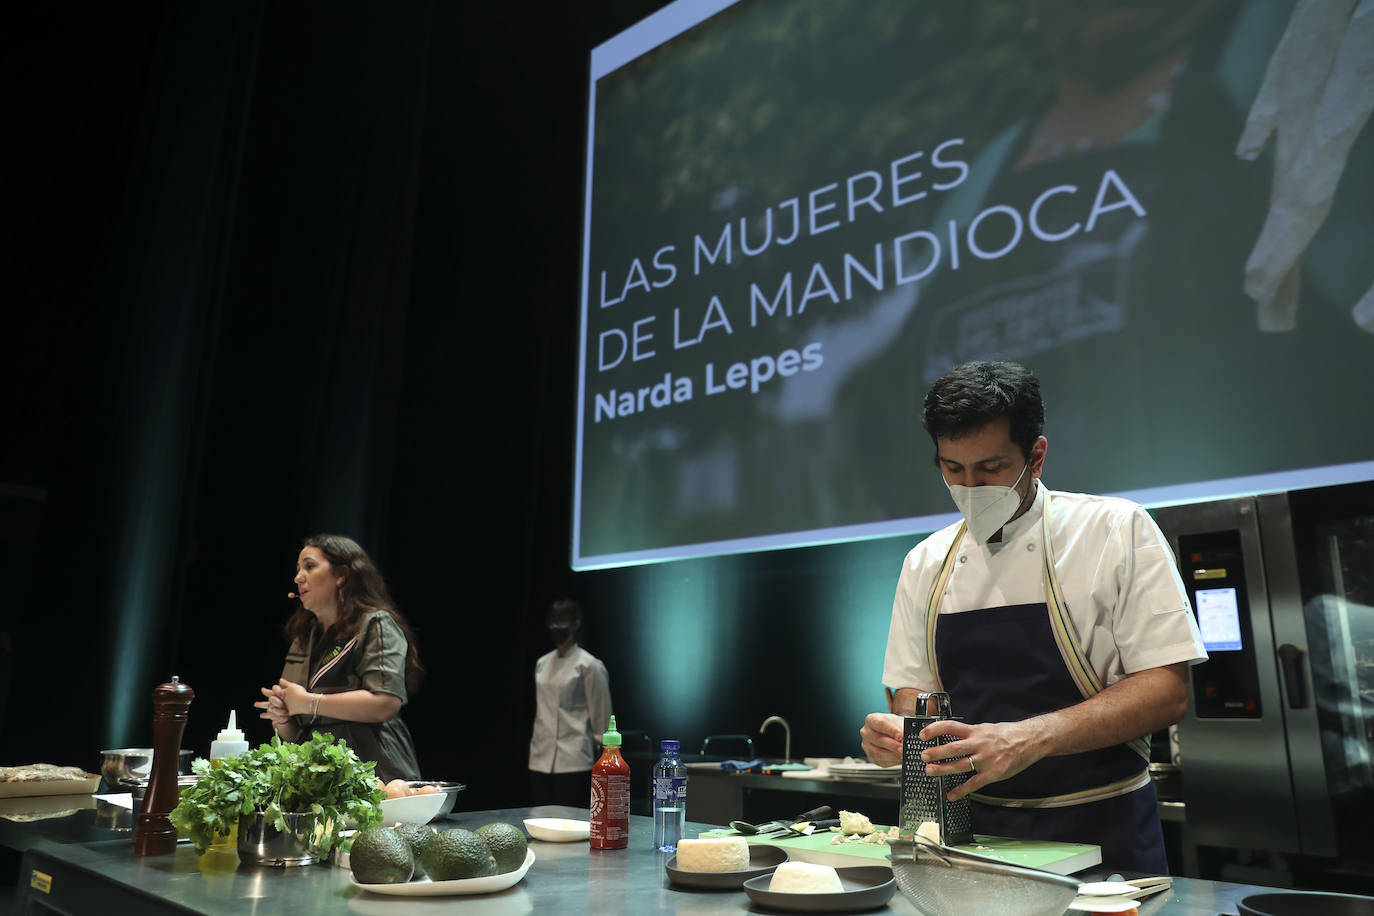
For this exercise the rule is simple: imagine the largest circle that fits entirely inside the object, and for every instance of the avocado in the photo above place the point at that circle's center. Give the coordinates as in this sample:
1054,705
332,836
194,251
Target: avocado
416,836
380,856
507,843
457,853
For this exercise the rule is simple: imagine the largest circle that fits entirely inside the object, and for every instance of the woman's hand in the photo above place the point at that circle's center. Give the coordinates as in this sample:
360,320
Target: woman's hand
297,700
274,710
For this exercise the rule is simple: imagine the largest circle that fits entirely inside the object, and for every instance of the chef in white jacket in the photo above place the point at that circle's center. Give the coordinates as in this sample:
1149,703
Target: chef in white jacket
573,707
1057,624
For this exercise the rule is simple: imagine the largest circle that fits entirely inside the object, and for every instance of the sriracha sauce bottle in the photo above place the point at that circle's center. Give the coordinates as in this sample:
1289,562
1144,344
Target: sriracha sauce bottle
610,795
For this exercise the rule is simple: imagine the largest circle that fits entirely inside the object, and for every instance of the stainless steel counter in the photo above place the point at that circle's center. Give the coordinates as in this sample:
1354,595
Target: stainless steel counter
104,877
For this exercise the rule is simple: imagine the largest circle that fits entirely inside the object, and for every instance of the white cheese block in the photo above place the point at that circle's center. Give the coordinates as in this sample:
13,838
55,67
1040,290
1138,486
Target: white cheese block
729,853
852,822
805,878
930,830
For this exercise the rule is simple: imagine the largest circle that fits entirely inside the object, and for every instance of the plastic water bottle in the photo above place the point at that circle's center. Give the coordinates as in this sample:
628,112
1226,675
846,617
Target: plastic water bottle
670,797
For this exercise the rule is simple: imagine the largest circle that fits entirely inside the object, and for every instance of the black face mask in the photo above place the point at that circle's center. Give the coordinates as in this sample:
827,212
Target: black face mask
559,635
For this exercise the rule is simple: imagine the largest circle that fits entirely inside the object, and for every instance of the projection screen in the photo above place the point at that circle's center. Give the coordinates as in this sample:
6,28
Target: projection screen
799,213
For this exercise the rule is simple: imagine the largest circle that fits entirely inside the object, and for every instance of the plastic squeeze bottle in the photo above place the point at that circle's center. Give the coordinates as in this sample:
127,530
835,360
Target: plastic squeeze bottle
610,795
229,743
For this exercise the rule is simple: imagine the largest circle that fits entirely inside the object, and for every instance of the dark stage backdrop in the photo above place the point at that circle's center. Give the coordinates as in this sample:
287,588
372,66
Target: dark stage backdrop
271,270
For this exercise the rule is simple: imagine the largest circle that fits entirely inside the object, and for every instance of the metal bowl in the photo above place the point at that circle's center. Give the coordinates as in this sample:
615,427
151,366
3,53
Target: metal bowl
262,844
450,790
946,882
135,763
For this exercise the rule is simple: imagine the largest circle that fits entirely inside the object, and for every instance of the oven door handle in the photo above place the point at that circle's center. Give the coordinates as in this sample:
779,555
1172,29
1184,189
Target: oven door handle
1290,660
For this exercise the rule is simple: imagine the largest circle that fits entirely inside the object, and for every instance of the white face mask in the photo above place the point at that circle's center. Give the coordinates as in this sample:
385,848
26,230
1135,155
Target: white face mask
986,509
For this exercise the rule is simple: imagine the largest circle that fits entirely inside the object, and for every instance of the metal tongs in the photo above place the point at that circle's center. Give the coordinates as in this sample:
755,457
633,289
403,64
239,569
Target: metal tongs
1117,887
905,848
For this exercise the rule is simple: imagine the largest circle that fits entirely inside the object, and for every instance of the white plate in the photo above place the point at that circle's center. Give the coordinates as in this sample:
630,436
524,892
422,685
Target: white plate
412,809
557,829
1107,889
84,786
1103,904
427,888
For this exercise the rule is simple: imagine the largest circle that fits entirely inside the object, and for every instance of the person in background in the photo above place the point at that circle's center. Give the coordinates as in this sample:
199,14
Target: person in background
1064,634
572,709
352,662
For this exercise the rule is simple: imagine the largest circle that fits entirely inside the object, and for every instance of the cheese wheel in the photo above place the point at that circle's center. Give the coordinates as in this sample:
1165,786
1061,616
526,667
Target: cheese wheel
729,853
805,878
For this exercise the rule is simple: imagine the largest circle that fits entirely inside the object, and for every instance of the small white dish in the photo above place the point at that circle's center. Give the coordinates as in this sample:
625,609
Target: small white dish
557,829
424,887
1106,889
1103,904
412,809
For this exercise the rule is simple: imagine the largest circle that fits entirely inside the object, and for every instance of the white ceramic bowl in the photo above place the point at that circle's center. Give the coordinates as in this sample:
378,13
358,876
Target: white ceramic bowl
426,887
450,790
557,829
412,809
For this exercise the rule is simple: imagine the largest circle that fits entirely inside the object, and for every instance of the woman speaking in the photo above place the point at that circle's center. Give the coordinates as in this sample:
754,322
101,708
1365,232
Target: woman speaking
351,662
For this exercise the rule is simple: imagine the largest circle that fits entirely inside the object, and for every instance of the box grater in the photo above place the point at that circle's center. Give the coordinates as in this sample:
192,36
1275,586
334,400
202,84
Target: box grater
923,796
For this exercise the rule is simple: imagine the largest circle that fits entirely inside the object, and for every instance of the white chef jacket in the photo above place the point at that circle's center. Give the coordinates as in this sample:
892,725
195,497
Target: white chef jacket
1119,578
572,709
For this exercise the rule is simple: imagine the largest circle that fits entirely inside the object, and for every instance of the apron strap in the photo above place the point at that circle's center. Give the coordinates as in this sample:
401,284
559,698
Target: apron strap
1066,637
1100,793
937,592
338,656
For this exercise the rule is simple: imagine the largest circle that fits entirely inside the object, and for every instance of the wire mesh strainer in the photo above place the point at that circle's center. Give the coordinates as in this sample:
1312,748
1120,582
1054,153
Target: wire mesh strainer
947,882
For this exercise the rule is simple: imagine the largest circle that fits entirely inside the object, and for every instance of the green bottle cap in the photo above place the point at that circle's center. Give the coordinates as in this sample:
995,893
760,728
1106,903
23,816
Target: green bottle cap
612,737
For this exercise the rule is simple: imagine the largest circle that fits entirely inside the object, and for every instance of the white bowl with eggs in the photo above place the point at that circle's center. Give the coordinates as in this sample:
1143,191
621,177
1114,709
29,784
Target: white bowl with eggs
412,809
417,801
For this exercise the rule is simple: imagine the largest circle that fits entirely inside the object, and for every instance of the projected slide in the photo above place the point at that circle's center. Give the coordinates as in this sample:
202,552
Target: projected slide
799,213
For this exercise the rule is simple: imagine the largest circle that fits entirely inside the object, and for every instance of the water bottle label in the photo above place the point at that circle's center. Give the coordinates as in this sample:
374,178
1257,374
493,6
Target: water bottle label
669,791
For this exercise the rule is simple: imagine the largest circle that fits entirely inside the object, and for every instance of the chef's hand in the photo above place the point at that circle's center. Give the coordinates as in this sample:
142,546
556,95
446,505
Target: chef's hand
882,737
992,751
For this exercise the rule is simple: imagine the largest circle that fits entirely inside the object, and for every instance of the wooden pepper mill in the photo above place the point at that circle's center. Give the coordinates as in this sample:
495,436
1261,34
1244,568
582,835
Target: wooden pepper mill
155,835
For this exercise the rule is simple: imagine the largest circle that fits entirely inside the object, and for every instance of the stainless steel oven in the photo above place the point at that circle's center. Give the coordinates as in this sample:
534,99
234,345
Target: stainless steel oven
1277,743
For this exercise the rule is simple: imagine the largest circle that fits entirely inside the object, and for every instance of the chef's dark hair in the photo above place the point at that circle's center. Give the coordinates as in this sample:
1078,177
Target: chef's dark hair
969,397
363,590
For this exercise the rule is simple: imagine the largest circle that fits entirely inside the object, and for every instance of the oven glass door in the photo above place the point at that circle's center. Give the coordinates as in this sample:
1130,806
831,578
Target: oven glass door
1333,532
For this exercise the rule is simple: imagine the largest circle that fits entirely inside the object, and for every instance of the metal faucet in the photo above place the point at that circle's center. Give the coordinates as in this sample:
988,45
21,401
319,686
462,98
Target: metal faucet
787,732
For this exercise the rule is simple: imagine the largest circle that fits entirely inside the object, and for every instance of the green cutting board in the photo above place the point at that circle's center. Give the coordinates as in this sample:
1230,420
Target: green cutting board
1051,856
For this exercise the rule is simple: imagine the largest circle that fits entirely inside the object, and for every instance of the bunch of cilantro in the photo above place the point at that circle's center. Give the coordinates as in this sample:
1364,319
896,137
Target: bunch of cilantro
280,778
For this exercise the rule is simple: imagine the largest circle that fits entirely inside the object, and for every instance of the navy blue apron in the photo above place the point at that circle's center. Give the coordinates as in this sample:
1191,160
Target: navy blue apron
1005,664
988,683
